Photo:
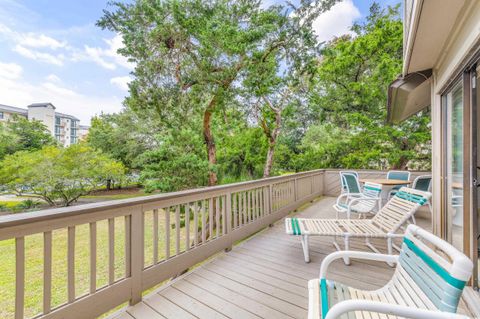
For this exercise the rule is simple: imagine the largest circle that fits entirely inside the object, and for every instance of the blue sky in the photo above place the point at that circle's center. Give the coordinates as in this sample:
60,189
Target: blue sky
51,51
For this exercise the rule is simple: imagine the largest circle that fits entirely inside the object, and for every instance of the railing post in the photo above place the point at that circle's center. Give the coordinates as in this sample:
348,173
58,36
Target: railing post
136,254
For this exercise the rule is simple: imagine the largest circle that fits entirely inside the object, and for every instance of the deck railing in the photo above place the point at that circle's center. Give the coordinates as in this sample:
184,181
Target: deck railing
147,240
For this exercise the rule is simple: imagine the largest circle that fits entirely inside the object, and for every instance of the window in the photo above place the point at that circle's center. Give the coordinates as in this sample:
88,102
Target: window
73,131
1,115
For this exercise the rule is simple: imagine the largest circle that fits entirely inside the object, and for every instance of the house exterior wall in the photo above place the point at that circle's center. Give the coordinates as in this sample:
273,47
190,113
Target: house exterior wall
64,127
7,116
462,41
46,115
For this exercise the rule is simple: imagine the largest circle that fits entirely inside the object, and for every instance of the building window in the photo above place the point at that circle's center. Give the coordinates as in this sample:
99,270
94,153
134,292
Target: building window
1,115
73,132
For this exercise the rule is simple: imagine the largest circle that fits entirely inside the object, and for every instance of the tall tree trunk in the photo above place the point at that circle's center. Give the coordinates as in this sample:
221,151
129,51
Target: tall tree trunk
210,142
269,161
272,136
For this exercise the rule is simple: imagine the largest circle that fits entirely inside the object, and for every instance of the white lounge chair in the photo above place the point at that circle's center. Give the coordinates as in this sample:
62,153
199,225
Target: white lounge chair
426,284
362,203
385,224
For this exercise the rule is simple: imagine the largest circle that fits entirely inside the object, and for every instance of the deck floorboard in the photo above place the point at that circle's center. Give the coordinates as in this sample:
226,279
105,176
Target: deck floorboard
263,277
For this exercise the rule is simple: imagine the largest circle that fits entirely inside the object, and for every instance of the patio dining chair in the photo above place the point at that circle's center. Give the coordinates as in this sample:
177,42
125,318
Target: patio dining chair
350,186
423,183
401,175
427,283
361,204
343,182
385,224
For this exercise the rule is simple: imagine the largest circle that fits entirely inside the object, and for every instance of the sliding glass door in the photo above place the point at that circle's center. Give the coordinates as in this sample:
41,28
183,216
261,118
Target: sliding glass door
454,115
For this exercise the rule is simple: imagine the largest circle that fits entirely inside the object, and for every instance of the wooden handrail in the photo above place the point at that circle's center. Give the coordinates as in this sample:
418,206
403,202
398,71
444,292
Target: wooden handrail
162,235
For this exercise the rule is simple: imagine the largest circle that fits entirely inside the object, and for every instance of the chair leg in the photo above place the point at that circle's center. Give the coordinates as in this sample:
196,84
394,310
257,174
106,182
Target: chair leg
429,206
306,253
390,249
413,220
346,260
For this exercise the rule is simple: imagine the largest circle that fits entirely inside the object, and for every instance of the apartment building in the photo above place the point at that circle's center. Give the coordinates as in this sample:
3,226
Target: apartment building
64,127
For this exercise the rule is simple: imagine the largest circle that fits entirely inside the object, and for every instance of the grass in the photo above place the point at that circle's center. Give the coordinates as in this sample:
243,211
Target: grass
34,262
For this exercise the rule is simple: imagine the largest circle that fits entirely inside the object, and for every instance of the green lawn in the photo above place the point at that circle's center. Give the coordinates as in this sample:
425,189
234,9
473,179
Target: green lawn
34,262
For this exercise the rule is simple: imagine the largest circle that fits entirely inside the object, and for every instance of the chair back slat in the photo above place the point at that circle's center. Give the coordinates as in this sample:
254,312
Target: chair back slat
440,279
399,209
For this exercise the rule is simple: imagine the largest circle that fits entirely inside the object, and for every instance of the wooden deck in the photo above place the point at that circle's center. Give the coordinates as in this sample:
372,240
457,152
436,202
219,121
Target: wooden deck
263,277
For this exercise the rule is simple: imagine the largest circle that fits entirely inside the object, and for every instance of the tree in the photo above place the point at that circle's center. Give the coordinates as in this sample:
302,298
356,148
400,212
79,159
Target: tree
124,136
58,175
192,55
177,163
20,134
350,92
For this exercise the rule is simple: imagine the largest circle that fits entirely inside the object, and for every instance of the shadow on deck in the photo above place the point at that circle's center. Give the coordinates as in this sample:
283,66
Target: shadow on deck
263,277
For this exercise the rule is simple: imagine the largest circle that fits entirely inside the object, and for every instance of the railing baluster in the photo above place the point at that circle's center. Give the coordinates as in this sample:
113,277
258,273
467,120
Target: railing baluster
195,223
249,206
47,271
177,229
210,217
217,216
128,247
111,251
204,222
244,208
224,216
228,212
235,212
71,264
155,236
93,257
19,277
167,232
187,226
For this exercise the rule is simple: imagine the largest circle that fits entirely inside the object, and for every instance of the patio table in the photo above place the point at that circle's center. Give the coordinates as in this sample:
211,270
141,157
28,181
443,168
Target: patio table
386,183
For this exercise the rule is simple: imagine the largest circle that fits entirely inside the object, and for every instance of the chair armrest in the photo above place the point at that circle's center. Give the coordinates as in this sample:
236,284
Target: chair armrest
339,198
390,309
354,254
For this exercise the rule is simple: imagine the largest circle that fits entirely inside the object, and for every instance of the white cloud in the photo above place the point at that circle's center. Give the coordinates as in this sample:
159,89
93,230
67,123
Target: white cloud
121,82
56,59
40,41
54,88
108,57
52,78
96,55
17,91
10,71
337,21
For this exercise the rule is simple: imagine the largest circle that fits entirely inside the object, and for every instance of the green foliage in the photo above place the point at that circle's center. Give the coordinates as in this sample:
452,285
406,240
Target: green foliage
193,58
350,93
58,175
124,136
20,134
177,163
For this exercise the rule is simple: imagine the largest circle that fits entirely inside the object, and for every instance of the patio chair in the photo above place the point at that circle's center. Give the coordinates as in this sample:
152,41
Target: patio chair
385,224
425,284
401,175
361,204
349,180
423,183
343,182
